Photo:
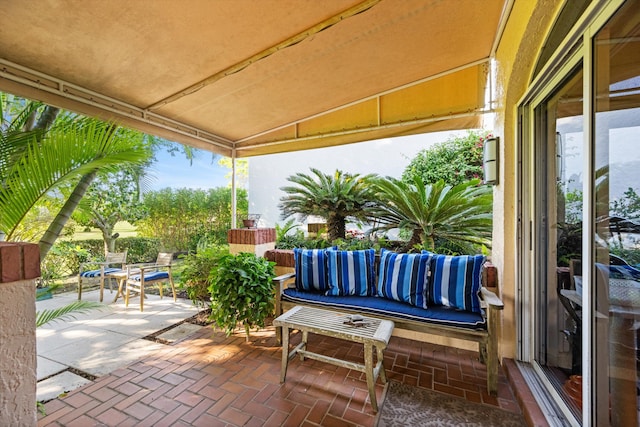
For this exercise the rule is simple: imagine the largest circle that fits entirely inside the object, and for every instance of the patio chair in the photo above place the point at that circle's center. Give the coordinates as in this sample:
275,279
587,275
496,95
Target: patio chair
140,275
114,262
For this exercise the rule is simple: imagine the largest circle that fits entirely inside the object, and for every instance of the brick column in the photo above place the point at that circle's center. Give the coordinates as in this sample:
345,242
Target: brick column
252,240
284,259
19,267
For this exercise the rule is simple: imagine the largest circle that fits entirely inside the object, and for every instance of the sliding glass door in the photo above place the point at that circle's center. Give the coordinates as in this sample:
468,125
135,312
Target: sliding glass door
584,204
615,180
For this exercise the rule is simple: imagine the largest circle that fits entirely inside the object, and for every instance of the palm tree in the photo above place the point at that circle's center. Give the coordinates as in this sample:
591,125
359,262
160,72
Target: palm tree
460,214
336,198
35,160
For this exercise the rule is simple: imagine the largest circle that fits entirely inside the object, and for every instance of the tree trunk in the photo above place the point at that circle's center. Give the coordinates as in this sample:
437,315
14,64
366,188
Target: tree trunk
58,223
335,227
107,236
416,239
47,117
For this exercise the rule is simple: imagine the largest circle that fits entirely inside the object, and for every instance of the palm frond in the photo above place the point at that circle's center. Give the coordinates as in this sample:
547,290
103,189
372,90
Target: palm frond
66,154
66,312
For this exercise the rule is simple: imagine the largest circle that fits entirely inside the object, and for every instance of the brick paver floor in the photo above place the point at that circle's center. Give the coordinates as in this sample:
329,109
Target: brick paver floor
211,380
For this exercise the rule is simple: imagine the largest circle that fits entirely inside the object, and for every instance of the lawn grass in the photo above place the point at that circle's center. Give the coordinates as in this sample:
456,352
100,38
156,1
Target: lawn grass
124,228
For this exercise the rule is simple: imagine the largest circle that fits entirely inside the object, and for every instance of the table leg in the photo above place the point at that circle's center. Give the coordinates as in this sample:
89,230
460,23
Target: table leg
368,367
305,336
285,353
119,293
383,374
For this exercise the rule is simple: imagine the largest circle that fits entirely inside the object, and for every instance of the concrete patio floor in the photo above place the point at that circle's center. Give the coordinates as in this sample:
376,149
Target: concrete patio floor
72,352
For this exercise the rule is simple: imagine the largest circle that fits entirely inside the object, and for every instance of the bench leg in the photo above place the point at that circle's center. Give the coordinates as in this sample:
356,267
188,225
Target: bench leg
285,353
492,363
279,335
482,349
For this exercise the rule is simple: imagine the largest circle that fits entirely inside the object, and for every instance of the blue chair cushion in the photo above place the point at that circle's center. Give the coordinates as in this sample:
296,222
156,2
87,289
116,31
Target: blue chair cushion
351,272
151,276
404,277
96,273
311,269
455,281
440,315
624,272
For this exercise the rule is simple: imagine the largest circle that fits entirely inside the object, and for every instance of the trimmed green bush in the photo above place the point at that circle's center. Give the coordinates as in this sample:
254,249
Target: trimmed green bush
242,292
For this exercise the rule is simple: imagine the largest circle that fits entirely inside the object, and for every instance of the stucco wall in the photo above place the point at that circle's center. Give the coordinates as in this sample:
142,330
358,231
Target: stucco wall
17,354
516,56
19,267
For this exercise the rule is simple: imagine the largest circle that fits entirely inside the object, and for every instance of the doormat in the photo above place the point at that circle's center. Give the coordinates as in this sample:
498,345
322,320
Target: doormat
406,406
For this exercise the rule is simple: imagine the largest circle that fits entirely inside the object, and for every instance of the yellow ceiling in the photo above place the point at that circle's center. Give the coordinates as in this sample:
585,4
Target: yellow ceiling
250,77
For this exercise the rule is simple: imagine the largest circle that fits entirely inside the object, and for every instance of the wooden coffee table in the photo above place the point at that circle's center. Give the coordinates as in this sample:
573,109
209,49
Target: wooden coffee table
370,332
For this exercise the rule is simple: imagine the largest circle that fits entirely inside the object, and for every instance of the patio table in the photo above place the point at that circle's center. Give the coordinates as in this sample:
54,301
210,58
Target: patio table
371,332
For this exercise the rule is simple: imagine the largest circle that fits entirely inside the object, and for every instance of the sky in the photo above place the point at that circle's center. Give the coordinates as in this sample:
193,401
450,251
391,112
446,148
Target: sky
177,172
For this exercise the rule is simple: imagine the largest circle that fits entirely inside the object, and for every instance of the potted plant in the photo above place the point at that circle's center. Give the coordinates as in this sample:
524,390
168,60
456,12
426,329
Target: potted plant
241,292
251,221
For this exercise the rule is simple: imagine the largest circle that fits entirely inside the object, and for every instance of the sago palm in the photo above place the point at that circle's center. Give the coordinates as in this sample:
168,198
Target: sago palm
336,198
460,214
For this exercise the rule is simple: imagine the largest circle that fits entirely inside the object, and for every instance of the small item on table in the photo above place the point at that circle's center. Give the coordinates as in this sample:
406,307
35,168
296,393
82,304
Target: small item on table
355,320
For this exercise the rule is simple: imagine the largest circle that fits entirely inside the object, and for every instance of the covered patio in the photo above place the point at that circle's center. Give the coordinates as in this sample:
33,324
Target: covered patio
247,78
208,379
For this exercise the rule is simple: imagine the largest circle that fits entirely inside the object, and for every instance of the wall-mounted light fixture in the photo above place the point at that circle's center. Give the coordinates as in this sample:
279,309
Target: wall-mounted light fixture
490,160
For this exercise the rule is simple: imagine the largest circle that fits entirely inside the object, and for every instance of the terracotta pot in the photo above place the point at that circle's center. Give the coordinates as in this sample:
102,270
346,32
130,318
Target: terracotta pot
573,387
249,223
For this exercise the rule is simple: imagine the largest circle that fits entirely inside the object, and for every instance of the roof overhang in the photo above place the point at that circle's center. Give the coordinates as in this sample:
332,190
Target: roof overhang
253,77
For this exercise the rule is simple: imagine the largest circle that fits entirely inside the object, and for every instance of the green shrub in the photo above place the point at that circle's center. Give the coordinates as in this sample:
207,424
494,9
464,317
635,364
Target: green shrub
139,249
64,259
242,292
195,272
65,256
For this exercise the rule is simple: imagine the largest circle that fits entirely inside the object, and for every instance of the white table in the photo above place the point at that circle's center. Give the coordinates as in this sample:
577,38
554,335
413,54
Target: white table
373,333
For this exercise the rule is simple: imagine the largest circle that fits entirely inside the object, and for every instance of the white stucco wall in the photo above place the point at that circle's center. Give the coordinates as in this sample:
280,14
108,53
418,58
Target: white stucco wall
386,157
17,354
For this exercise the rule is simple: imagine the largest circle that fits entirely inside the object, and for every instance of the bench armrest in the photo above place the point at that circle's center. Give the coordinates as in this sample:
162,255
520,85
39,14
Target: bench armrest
491,299
279,281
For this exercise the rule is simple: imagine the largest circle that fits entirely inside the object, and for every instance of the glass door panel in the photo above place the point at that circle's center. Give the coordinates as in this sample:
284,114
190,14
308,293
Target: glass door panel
616,241
559,180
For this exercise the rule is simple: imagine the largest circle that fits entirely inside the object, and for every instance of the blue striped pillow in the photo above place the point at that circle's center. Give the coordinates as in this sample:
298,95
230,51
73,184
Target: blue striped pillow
351,272
455,281
311,269
404,277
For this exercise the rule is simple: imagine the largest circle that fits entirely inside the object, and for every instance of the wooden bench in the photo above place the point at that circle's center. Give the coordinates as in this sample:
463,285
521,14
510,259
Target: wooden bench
487,337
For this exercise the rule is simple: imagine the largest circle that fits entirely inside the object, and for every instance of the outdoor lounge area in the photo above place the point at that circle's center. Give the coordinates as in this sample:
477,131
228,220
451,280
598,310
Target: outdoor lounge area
205,378
555,84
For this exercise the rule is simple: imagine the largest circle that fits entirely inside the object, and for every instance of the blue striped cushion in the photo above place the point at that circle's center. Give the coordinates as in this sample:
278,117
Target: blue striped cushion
394,310
404,277
96,273
455,281
351,272
150,276
311,269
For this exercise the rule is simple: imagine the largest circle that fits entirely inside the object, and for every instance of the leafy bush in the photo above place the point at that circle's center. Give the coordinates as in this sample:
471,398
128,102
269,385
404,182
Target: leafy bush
180,218
242,292
139,249
454,161
196,270
65,256
64,259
